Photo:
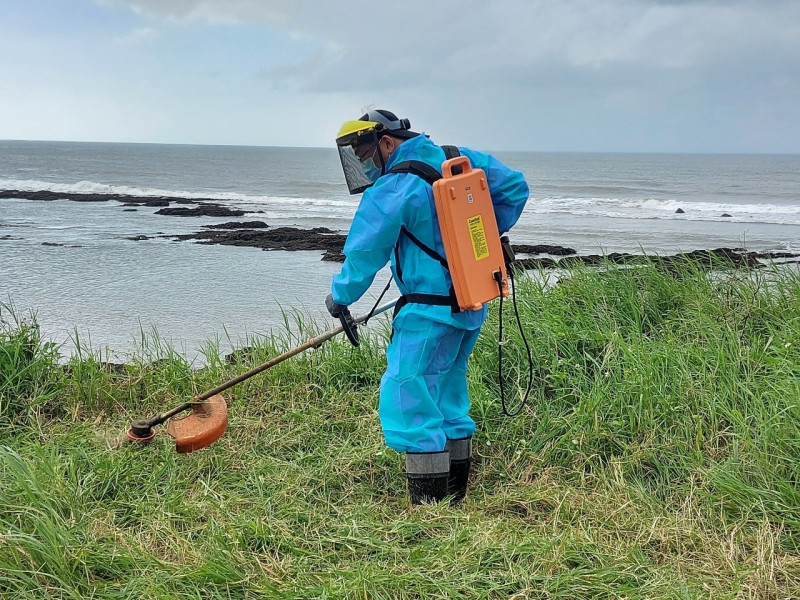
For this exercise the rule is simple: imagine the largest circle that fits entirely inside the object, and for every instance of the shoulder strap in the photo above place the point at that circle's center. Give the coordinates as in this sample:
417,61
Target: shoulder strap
425,248
430,175
451,152
424,170
418,168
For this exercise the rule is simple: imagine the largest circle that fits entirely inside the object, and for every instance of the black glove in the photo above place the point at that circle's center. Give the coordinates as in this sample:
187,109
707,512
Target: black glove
334,308
341,312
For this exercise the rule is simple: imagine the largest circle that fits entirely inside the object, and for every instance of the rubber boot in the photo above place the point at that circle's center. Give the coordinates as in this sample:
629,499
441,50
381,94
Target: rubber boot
460,460
427,474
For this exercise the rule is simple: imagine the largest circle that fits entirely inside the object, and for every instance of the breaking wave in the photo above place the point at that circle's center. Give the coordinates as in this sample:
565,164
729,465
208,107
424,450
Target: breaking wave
245,201
652,208
342,207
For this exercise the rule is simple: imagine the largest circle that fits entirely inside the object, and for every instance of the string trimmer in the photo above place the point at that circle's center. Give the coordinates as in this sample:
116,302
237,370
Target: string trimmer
209,417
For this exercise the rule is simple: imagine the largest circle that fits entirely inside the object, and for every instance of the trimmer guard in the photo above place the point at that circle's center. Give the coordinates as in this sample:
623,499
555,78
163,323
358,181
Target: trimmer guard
201,427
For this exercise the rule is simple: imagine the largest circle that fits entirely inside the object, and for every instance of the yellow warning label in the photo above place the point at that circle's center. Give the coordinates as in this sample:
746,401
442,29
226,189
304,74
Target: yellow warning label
478,235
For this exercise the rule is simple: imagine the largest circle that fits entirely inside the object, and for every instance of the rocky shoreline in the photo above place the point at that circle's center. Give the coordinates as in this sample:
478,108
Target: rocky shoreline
529,256
258,234
206,207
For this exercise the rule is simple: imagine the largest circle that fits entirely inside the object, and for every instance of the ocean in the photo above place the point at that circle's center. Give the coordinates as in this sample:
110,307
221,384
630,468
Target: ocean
74,266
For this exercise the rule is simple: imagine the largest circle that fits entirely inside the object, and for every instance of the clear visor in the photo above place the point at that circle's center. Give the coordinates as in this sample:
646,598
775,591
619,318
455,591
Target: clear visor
355,174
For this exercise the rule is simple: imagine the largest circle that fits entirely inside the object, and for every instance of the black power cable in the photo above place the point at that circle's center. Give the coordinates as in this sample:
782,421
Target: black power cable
509,259
383,293
500,342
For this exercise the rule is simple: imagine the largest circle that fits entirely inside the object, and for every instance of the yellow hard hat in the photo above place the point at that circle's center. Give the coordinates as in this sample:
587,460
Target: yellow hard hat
380,122
354,140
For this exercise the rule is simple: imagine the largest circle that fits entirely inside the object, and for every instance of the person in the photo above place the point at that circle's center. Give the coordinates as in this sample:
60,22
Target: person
424,402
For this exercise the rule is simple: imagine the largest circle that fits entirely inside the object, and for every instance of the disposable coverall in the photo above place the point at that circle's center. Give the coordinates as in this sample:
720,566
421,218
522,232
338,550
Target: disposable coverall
423,397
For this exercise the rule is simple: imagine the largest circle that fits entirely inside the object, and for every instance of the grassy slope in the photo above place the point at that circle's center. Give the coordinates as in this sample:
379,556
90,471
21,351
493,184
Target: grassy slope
658,458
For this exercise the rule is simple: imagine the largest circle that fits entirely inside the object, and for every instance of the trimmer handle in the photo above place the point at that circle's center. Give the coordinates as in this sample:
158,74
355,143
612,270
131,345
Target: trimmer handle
350,328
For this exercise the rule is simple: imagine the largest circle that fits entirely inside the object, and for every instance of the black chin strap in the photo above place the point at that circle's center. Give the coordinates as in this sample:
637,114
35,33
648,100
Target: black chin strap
380,157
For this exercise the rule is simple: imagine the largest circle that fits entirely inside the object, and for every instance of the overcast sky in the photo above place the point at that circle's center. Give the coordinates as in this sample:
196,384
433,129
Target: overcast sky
550,75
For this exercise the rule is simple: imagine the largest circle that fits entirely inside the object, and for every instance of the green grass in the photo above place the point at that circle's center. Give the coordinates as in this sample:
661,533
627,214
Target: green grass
658,457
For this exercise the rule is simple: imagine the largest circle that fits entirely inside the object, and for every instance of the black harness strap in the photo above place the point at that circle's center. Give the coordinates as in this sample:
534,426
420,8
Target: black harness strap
432,299
424,170
425,248
451,151
418,168
430,175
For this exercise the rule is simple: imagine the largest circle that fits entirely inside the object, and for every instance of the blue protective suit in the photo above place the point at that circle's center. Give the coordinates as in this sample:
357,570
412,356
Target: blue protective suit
424,399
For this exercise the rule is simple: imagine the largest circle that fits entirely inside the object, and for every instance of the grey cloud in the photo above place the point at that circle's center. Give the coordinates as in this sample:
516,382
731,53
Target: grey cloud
421,41
612,61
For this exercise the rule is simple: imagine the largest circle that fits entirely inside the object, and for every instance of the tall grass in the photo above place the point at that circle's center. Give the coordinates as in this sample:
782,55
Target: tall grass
657,458
28,381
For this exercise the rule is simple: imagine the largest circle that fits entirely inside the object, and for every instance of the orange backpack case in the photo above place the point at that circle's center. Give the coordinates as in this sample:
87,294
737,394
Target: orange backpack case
470,235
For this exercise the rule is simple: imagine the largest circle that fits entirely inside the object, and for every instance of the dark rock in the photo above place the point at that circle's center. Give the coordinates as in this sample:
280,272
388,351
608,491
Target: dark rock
542,249
725,215
619,258
680,211
138,238
48,196
333,256
714,259
775,255
248,354
526,264
332,244
718,258
129,209
280,238
203,210
126,200
113,368
238,225
52,244
153,202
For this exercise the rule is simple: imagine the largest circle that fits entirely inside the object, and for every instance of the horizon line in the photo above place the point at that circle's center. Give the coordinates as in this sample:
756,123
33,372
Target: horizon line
333,147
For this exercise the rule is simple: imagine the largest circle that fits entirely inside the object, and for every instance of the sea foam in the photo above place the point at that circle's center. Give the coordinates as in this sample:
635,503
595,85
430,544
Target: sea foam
654,208
244,200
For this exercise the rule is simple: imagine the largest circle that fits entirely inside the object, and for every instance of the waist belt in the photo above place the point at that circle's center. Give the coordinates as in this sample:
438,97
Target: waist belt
430,299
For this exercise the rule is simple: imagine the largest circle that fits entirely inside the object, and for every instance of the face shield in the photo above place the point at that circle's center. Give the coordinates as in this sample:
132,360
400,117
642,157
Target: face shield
361,159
